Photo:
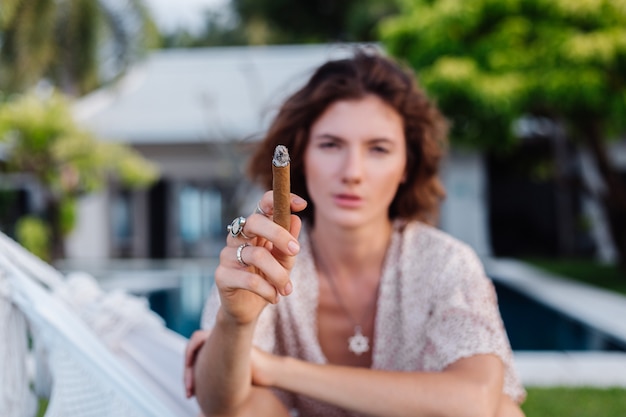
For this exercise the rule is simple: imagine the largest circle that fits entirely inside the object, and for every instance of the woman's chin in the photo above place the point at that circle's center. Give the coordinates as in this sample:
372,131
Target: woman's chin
347,220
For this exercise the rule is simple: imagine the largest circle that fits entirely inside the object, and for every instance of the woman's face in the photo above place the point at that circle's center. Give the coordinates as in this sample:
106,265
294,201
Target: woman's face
354,161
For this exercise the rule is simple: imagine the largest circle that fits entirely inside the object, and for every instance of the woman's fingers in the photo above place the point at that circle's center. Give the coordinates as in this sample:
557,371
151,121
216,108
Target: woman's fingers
266,204
259,229
244,261
231,283
296,225
196,341
286,257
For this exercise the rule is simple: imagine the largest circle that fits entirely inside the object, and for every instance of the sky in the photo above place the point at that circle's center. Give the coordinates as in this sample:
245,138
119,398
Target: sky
174,14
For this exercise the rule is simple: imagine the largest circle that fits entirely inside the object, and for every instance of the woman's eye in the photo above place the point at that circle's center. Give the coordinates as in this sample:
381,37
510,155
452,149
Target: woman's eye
328,145
380,149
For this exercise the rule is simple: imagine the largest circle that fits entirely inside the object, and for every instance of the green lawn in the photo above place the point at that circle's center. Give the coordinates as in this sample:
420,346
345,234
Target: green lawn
588,271
575,402
563,402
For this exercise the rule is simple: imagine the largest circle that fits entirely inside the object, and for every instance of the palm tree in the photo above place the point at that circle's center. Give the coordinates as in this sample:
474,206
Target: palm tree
76,45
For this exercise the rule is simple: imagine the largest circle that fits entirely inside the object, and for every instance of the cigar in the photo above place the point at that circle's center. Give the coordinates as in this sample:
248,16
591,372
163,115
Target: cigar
281,187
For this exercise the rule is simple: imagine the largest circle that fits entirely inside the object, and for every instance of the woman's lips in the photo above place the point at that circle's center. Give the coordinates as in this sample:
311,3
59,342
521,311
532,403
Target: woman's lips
348,200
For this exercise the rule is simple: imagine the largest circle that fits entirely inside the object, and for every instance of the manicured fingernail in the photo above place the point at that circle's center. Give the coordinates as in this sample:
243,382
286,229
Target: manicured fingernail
298,200
293,247
288,288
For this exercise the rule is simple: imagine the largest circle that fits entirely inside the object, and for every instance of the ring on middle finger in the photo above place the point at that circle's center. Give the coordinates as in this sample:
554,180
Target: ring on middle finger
240,255
235,228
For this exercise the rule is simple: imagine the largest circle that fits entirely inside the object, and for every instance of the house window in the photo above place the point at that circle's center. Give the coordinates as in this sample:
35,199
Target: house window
200,213
122,218
122,227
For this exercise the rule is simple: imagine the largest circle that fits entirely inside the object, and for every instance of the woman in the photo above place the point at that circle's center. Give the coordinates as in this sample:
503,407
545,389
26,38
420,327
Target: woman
362,308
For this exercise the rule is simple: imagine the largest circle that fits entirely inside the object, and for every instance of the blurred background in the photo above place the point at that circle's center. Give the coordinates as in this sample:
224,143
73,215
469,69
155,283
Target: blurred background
125,126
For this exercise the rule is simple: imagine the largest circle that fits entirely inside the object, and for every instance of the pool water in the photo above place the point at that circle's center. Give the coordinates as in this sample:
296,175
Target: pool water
532,325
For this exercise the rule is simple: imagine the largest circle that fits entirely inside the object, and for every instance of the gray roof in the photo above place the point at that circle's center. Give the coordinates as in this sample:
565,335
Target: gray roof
202,94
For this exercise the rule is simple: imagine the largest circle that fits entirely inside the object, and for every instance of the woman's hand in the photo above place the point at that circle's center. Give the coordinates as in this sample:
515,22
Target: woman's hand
196,341
255,265
263,365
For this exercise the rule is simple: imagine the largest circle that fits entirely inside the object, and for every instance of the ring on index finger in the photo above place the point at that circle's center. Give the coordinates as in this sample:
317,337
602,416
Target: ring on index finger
235,228
239,255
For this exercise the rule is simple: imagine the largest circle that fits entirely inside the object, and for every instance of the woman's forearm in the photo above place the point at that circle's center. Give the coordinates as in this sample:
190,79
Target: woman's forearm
222,369
466,390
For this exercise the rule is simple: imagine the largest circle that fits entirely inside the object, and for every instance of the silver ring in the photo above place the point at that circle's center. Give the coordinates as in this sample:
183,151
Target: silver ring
259,210
235,228
239,253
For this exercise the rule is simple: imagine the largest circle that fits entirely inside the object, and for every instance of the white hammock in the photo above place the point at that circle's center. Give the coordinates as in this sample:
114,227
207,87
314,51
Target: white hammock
107,354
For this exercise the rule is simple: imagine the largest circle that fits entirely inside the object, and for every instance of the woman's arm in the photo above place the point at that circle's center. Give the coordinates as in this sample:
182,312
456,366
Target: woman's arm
222,375
468,387
260,400
253,271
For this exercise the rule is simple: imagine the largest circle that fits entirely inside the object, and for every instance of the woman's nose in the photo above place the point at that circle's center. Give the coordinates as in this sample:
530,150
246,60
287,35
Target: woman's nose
353,167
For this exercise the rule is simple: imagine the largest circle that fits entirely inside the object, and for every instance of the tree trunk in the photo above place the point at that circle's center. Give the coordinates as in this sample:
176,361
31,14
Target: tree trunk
563,193
614,199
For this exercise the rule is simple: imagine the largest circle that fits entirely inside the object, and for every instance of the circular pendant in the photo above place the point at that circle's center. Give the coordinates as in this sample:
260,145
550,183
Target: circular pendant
358,344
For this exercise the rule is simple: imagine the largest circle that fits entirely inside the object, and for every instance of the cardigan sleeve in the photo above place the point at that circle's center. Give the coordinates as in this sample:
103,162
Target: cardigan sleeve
465,319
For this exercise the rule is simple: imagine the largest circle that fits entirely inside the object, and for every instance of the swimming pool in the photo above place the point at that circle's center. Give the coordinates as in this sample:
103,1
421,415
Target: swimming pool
532,325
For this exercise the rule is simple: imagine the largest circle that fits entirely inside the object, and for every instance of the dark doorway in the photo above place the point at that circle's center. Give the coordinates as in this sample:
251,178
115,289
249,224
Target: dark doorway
531,209
14,203
158,225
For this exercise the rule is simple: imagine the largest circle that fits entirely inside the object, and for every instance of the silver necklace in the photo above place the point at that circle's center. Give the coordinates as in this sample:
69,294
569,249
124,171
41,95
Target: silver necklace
358,343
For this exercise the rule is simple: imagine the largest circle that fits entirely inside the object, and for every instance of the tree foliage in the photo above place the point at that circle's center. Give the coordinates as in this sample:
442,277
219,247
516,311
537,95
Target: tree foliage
489,62
76,44
313,21
259,22
40,138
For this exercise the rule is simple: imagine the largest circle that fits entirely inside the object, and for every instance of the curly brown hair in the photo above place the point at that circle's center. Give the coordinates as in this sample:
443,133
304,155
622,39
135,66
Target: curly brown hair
365,73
